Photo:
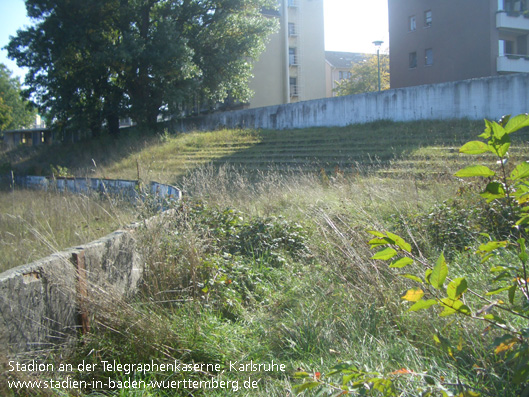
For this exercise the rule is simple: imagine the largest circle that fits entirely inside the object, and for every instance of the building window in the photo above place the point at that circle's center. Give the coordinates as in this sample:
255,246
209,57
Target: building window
521,45
506,47
292,59
293,86
428,57
427,18
514,6
344,75
292,29
413,60
412,23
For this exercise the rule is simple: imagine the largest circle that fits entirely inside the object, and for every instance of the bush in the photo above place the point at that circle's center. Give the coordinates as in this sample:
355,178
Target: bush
458,224
506,317
224,259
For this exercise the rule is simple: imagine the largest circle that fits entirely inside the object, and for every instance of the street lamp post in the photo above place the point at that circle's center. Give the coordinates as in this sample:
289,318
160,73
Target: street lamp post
378,43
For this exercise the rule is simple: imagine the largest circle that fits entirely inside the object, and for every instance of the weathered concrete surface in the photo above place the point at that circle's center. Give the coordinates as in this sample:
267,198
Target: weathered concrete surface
490,97
122,187
49,301
113,263
41,303
37,304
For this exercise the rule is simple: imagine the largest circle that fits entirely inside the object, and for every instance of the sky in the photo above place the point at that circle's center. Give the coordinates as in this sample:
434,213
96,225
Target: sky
350,26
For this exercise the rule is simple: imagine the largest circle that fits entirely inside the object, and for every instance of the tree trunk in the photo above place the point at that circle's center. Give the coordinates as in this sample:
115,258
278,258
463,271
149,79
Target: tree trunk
113,124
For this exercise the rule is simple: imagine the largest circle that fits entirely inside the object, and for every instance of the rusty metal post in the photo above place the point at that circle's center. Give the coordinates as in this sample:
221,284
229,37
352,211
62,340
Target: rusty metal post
78,260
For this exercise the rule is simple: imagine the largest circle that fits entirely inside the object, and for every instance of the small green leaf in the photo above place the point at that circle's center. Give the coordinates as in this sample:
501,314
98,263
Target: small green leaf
385,254
500,146
475,170
422,304
512,293
504,120
346,366
427,275
413,295
378,242
497,131
494,318
305,386
497,291
487,133
492,246
429,380
402,262
516,123
457,288
493,191
439,273
486,258
376,233
497,269
521,171
348,378
523,220
412,277
522,195
399,241
301,375
454,306
474,147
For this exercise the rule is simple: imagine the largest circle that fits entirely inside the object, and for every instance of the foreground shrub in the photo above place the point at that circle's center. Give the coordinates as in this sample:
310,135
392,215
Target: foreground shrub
506,316
223,257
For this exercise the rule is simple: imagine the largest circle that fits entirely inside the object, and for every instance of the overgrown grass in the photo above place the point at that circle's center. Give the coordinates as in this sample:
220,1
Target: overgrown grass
281,272
415,148
35,224
268,262
227,281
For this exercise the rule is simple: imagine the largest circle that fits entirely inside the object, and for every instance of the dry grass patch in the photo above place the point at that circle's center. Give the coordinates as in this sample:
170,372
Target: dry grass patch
35,224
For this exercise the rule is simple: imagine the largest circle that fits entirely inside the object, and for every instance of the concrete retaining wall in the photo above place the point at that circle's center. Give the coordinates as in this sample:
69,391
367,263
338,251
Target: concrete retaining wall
125,188
43,303
49,301
481,98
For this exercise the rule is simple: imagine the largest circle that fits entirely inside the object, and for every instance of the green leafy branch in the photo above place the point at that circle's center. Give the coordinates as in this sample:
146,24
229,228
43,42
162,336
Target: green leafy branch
353,380
511,189
508,185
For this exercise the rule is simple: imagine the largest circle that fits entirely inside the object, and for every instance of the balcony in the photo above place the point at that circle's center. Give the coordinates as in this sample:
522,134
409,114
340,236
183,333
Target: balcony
512,21
512,64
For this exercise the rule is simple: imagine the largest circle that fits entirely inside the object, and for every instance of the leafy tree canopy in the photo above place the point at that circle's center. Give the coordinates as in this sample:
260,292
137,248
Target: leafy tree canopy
15,111
364,76
92,62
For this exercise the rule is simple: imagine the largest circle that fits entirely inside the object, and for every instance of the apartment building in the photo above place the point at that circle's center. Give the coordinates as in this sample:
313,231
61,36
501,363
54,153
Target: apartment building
292,68
439,41
338,66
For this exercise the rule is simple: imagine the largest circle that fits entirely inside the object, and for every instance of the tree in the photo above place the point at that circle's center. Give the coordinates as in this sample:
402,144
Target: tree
94,62
15,112
364,76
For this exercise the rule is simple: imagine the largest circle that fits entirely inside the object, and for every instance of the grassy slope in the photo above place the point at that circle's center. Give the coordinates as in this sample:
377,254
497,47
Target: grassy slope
419,147
308,312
